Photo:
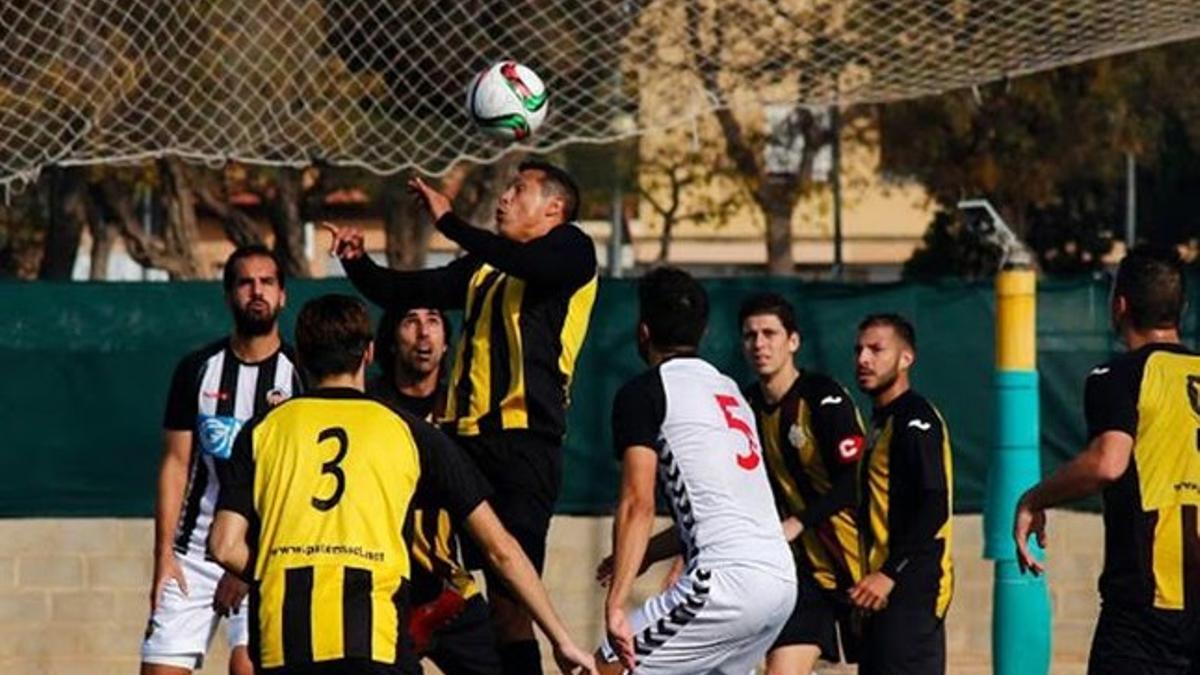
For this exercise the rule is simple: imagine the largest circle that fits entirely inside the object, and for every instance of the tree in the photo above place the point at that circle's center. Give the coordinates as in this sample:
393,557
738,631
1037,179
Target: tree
1049,150
749,45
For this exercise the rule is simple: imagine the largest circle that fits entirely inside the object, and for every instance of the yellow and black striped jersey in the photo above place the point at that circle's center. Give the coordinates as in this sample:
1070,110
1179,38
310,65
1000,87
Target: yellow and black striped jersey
1151,531
526,313
434,542
327,481
906,492
812,440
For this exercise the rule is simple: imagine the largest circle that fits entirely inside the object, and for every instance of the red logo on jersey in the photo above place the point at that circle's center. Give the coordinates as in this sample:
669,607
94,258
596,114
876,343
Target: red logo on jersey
850,448
219,395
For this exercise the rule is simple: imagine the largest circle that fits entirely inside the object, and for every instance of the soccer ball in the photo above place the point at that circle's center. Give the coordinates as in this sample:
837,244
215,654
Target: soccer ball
507,101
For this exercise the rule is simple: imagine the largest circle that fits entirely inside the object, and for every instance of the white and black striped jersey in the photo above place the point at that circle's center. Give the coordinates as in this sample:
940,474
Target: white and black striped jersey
213,394
710,465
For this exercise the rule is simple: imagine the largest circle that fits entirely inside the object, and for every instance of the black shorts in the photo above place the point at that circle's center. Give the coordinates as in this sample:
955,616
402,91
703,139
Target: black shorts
818,619
525,471
467,645
903,640
1145,640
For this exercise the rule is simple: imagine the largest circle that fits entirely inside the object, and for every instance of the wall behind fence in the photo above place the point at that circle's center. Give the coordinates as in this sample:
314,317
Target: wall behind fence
85,369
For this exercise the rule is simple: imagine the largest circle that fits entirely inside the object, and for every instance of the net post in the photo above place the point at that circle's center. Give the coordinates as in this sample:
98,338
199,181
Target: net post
1020,603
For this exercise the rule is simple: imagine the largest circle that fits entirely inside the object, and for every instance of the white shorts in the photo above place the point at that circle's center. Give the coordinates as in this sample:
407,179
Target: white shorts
182,627
719,622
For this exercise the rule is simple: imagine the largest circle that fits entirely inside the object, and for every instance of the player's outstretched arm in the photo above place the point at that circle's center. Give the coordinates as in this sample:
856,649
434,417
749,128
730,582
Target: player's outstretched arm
1104,460
172,482
443,288
563,258
506,557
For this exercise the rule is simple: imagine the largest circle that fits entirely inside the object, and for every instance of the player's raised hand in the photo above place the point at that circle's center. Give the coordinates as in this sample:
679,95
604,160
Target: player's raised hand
166,567
227,599
435,202
572,660
620,637
1029,521
346,243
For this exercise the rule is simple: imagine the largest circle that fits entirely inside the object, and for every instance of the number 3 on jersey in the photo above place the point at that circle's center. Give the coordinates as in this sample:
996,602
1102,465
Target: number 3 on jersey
333,467
750,460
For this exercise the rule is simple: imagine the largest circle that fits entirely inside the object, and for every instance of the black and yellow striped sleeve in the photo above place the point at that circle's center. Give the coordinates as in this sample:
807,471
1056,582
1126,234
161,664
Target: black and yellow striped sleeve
838,433
918,446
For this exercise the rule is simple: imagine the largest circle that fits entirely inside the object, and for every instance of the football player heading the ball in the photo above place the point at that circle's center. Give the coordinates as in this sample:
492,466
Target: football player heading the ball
527,291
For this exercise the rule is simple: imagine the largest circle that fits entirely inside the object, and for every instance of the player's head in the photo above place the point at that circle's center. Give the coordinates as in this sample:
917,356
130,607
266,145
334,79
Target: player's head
885,350
1149,291
672,312
770,336
540,196
333,337
254,289
412,343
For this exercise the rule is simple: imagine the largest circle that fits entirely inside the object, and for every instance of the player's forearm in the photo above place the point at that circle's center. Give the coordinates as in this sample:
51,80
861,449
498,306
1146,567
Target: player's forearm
1089,472
511,563
168,503
1074,480
227,543
631,538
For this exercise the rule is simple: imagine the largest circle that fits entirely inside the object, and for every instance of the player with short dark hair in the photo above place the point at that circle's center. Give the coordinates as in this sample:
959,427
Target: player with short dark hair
450,623
686,422
527,292
1143,455
214,391
313,506
906,496
812,440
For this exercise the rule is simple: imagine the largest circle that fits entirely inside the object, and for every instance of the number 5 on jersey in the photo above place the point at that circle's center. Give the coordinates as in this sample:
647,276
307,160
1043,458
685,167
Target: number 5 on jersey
748,461
333,467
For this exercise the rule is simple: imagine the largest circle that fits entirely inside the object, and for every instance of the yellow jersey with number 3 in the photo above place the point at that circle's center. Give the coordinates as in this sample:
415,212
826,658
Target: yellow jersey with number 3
327,481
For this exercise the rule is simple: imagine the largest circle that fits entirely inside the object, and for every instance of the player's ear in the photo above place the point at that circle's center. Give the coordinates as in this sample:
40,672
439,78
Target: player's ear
368,355
556,209
907,358
794,342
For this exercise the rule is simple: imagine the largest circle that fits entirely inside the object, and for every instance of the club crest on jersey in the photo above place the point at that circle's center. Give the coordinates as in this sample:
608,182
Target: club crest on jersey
277,396
797,436
216,434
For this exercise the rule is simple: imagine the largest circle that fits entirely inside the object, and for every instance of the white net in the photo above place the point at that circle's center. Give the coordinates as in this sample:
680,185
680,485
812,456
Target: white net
379,83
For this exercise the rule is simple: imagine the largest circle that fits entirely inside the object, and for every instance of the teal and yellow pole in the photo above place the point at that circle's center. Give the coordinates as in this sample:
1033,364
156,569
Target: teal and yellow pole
1020,603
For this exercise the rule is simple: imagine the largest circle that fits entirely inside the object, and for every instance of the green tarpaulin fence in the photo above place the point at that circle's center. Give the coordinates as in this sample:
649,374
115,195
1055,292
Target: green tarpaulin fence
85,368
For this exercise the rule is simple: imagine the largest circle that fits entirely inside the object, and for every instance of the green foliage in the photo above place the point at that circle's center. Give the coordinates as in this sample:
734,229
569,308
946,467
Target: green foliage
1049,150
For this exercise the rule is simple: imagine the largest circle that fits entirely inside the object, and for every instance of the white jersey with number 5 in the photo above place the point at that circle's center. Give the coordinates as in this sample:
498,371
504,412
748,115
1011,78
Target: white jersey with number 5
711,468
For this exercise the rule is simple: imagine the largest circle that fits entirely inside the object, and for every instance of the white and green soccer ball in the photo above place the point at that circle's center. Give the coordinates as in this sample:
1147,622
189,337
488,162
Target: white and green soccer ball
507,101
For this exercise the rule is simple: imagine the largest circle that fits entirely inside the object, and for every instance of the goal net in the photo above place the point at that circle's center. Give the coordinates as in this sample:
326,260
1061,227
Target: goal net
380,84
